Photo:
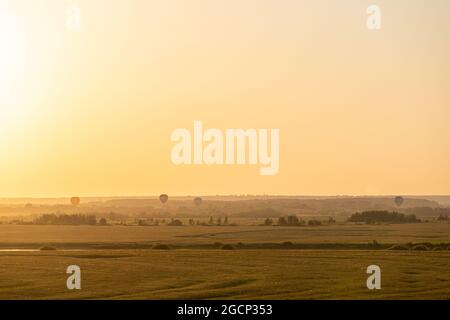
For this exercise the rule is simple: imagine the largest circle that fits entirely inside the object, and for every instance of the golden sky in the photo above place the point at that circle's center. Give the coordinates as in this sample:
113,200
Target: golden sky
91,112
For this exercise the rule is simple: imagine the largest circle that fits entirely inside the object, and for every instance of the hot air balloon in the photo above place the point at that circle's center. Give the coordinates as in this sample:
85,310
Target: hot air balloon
398,201
163,198
198,201
75,201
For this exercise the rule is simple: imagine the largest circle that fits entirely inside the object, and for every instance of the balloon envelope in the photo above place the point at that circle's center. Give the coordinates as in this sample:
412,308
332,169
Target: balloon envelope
398,201
198,201
75,201
163,198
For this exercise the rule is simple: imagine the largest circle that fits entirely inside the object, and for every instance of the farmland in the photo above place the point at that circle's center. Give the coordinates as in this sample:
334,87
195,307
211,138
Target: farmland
117,262
82,237
219,274
119,259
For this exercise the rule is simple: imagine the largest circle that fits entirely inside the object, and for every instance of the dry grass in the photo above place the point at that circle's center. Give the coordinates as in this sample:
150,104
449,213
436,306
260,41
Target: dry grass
26,236
219,274
260,268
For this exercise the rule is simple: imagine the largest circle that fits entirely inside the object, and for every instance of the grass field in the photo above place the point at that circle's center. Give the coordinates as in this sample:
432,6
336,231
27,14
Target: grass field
218,274
117,263
16,236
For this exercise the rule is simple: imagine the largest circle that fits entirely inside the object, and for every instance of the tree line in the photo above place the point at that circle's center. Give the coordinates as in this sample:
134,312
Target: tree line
383,217
66,219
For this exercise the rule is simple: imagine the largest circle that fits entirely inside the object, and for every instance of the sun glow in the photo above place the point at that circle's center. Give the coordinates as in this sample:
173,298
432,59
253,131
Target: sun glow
12,67
10,52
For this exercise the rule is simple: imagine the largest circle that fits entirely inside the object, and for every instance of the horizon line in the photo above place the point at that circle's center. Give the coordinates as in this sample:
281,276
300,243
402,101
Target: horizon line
225,195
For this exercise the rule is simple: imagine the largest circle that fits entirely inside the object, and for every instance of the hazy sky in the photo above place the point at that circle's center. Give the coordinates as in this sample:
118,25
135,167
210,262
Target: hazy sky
91,112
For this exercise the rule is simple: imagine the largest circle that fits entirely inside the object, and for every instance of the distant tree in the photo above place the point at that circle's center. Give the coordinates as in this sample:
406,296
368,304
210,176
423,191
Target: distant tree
92,220
142,223
219,221
64,219
293,221
175,223
383,217
211,220
290,221
226,220
268,222
314,223
282,221
103,222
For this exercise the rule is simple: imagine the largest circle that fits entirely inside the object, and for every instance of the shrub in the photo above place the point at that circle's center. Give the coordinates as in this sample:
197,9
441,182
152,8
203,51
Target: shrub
142,223
65,219
227,247
175,223
217,244
240,245
47,248
420,247
375,244
370,217
314,223
287,244
161,247
290,221
437,249
399,247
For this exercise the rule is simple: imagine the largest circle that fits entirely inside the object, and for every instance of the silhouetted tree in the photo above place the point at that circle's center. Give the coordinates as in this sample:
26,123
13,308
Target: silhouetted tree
175,223
64,219
290,221
383,216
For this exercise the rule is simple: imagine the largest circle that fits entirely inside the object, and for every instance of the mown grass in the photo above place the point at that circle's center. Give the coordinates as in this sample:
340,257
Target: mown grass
225,274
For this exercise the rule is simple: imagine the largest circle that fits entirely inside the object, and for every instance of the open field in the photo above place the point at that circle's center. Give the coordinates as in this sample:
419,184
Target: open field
218,274
15,236
117,262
